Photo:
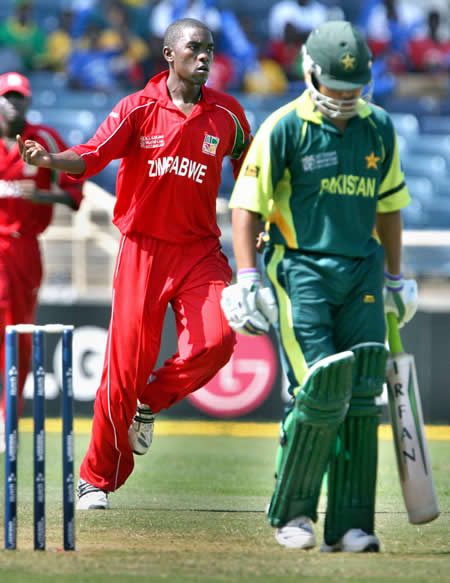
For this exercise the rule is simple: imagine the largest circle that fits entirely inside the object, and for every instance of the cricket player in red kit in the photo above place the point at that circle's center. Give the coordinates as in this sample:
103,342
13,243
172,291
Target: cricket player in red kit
27,195
172,137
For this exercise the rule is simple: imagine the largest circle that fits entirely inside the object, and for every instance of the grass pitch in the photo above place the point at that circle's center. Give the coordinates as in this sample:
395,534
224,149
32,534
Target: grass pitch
193,511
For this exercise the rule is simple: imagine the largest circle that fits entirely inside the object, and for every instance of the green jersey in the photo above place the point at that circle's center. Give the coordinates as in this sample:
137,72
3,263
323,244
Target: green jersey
320,188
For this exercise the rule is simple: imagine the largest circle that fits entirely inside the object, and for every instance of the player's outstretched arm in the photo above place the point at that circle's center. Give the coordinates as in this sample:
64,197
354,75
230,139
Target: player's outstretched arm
35,154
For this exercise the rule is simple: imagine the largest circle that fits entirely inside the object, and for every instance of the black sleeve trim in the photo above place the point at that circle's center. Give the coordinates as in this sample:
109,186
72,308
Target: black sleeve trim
392,191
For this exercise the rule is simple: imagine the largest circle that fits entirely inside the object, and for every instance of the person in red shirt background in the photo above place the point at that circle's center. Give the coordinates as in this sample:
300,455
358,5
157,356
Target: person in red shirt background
430,52
27,195
172,137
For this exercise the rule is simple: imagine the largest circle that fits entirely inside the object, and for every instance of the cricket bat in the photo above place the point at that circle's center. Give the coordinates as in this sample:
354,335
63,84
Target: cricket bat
411,448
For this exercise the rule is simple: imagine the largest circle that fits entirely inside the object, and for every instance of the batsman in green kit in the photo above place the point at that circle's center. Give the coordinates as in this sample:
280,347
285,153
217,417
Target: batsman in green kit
324,173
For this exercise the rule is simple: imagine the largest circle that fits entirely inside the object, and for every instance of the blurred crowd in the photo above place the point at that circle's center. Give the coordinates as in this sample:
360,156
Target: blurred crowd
116,44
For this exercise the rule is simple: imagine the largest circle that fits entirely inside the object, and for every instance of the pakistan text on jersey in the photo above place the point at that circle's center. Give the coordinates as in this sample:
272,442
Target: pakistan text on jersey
349,184
180,166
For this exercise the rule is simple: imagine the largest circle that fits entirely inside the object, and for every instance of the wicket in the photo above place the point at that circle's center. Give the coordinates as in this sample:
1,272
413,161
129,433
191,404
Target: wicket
11,433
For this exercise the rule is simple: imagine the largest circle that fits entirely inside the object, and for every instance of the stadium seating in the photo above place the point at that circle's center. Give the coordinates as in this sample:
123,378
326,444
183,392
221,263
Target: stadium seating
435,124
434,144
406,124
427,261
227,179
74,125
420,188
419,164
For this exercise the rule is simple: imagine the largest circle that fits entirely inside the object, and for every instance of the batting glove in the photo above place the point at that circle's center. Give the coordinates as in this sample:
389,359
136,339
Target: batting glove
249,308
400,297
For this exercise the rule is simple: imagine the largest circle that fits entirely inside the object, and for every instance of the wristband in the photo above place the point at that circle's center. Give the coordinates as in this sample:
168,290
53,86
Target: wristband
393,283
248,277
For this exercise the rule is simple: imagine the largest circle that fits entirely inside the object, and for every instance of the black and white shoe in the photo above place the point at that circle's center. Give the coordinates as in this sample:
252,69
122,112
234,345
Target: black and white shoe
296,534
354,540
90,497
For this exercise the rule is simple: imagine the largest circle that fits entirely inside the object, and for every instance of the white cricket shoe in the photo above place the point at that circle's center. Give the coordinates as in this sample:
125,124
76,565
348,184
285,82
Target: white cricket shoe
140,432
354,540
90,497
296,534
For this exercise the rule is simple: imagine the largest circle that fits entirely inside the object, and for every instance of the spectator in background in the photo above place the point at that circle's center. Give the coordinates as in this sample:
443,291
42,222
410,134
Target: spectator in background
389,26
130,49
285,51
84,11
59,43
90,66
139,11
267,78
20,33
108,56
430,52
223,73
302,16
136,3
166,11
27,196
234,42
289,23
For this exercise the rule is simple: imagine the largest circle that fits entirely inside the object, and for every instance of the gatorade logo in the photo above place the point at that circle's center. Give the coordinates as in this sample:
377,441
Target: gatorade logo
243,384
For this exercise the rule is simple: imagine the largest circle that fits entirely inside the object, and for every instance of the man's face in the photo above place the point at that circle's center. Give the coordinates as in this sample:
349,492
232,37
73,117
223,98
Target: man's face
20,104
338,104
192,55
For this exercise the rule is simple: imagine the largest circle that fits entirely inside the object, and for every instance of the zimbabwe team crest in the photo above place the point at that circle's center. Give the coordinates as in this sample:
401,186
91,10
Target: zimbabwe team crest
210,144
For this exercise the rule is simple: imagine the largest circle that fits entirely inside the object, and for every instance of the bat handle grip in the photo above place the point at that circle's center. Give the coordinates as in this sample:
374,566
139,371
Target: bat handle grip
394,338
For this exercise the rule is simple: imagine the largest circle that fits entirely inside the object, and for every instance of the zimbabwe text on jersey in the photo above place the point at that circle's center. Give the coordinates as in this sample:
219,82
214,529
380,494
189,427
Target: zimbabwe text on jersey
180,166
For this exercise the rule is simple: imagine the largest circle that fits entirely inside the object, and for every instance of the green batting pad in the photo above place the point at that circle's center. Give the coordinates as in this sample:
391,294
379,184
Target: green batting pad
369,372
309,434
353,466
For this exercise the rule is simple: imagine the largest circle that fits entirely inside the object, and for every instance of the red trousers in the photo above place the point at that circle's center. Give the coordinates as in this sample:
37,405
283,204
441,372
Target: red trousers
20,279
149,275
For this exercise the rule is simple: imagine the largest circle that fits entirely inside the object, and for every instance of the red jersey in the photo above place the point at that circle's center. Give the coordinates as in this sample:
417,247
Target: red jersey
170,172
17,214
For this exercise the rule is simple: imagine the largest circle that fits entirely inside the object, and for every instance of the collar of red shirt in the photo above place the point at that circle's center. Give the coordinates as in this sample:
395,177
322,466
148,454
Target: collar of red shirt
156,88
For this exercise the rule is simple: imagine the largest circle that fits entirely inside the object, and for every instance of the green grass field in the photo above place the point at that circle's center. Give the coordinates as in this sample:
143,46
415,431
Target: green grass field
193,511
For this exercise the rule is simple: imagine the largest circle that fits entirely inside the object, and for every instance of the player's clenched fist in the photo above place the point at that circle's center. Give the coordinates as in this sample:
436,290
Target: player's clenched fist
34,153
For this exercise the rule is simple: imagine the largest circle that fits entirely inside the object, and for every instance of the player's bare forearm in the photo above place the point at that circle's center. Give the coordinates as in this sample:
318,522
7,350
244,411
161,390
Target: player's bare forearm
35,154
246,227
389,229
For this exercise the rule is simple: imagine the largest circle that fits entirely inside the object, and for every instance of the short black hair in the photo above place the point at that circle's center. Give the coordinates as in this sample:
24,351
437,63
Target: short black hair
175,30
